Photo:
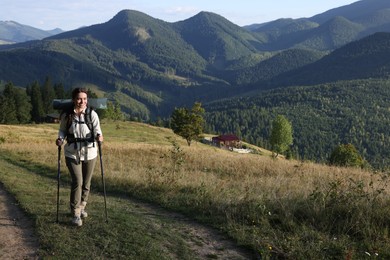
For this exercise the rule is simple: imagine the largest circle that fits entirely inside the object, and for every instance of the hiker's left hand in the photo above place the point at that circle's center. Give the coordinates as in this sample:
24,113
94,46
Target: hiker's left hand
99,138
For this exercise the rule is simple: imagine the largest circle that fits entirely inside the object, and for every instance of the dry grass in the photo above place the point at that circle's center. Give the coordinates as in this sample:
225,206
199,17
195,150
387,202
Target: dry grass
222,172
213,181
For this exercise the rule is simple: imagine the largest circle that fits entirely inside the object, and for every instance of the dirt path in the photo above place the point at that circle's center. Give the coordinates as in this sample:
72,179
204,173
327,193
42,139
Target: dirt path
207,242
17,239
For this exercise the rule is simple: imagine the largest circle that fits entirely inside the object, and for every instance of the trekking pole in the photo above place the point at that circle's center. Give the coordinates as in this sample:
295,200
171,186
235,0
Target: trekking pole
58,180
104,184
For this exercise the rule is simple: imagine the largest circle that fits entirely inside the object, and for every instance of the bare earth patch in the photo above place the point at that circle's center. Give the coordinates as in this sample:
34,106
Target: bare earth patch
17,239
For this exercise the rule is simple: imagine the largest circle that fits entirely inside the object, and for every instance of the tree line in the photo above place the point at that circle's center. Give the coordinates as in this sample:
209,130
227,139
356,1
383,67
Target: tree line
35,102
30,104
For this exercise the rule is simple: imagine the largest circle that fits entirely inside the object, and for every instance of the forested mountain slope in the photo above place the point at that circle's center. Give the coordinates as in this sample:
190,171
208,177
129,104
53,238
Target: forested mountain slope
363,59
326,31
322,116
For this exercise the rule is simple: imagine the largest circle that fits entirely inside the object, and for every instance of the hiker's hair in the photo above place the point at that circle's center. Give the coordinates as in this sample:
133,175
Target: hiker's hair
77,91
69,112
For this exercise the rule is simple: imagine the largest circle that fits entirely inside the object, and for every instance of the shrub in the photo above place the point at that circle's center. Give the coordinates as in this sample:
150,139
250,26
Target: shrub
346,155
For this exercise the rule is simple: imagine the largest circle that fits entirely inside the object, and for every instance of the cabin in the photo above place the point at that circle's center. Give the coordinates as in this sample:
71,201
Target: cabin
52,118
228,141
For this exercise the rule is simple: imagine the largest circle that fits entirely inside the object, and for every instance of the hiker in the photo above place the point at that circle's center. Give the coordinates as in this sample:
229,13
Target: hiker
80,127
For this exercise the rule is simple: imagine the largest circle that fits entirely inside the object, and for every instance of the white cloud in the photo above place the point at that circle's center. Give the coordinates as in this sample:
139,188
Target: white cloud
182,10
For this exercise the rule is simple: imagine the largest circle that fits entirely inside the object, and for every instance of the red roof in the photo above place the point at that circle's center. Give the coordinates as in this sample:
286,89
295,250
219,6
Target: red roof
228,137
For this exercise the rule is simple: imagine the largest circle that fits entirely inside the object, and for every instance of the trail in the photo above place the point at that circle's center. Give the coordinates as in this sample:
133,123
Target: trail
207,242
18,241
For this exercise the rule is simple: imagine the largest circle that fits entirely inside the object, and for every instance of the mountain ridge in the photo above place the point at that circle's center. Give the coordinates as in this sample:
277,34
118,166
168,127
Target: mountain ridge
14,32
205,57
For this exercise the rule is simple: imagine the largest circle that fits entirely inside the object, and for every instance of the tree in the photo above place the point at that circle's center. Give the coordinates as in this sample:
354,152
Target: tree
346,155
59,91
8,114
281,135
113,111
91,94
188,124
48,96
37,112
23,106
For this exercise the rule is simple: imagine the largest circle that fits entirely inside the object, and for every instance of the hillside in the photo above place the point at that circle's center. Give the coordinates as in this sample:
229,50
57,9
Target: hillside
322,116
326,31
168,200
216,39
361,59
13,32
150,40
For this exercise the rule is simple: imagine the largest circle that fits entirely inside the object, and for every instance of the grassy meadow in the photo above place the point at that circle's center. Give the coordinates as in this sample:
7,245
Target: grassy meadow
276,208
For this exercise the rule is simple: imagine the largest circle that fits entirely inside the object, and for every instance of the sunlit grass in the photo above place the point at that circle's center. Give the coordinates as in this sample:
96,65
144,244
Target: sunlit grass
274,206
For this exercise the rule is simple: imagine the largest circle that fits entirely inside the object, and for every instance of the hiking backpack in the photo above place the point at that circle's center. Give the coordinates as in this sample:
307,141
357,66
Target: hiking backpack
88,121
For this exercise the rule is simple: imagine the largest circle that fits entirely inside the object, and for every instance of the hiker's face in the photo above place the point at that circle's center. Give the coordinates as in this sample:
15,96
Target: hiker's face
81,101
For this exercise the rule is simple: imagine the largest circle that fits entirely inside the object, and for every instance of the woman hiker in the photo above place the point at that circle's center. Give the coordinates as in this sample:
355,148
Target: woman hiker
80,126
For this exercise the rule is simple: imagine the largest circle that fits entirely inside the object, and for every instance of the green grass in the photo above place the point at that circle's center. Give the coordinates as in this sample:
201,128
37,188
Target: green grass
136,133
275,207
130,233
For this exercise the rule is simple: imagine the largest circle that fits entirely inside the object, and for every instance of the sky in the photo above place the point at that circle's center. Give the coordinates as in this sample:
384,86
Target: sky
73,14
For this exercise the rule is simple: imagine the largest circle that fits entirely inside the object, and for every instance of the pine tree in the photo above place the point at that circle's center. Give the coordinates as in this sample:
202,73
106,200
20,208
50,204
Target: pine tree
48,96
8,105
23,106
59,91
113,112
37,112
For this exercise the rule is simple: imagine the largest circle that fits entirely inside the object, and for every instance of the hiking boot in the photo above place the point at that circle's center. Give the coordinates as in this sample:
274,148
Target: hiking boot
83,214
77,221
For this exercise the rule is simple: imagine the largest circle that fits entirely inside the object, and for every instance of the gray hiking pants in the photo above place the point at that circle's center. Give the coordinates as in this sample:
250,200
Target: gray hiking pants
81,174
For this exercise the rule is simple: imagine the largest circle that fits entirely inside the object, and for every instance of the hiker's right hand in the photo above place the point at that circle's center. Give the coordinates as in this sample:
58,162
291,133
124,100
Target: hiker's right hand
59,141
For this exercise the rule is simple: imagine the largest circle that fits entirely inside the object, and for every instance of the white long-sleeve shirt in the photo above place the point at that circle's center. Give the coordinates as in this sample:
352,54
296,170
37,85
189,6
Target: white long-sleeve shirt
80,150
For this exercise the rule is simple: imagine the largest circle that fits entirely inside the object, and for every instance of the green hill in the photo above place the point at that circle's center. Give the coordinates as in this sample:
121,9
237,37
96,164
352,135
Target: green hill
361,59
328,30
322,117
216,39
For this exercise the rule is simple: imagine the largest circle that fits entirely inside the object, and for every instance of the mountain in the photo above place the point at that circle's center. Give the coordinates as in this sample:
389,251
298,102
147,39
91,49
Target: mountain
13,32
358,12
150,66
326,31
362,59
216,39
151,40
328,73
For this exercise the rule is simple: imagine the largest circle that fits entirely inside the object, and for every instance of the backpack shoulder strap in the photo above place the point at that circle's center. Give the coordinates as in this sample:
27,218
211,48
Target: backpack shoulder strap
67,113
88,119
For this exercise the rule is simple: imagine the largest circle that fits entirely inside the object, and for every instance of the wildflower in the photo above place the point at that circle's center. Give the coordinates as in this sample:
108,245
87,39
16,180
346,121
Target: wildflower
367,253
